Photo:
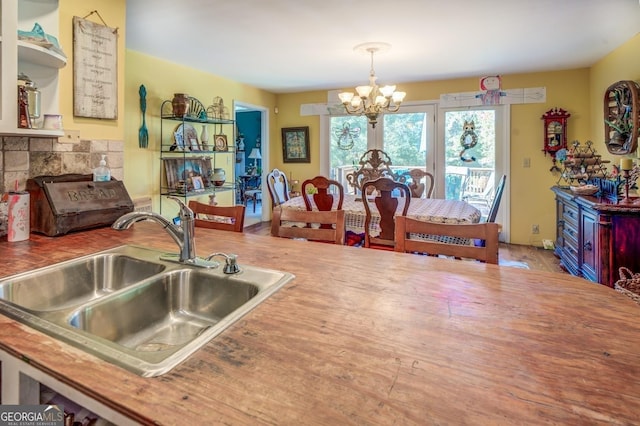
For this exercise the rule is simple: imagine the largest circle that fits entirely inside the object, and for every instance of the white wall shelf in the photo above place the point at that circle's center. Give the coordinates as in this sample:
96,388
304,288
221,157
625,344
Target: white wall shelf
41,64
39,55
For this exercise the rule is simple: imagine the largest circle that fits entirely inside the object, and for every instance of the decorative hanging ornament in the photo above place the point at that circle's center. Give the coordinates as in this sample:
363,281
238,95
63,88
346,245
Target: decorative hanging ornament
468,140
345,136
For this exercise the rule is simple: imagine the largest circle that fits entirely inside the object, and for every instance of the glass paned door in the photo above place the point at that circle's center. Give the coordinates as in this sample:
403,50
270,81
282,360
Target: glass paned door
469,138
347,143
475,154
407,138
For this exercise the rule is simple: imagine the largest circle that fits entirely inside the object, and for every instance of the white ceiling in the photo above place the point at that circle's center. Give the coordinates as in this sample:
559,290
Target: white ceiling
299,45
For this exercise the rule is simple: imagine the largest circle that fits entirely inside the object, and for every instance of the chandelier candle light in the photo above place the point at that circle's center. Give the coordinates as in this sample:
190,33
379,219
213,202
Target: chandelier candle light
372,100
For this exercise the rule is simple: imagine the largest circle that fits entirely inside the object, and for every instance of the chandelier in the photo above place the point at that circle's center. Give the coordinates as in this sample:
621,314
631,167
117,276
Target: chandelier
372,100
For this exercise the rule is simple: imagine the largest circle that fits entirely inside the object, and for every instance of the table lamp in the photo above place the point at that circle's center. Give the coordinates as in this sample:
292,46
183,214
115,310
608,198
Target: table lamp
255,155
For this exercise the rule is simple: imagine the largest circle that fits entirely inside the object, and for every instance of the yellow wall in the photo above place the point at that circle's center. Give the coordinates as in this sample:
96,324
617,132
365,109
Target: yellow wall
113,13
531,200
621,64
162,79
289,116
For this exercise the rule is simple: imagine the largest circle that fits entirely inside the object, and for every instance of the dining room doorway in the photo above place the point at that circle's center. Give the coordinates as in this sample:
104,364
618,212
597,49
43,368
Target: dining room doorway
252,157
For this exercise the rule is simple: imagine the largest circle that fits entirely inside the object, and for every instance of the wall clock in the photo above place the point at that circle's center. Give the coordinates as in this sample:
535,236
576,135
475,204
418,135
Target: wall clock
621,117
555,133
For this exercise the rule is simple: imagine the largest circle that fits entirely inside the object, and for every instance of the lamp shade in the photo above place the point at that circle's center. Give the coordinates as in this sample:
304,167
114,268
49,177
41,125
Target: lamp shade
255,154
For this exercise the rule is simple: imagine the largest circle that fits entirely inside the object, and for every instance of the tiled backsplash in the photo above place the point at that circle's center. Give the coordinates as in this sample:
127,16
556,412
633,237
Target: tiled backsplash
24,157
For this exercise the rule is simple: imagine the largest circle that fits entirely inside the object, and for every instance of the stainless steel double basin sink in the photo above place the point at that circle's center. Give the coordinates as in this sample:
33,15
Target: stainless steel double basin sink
132,309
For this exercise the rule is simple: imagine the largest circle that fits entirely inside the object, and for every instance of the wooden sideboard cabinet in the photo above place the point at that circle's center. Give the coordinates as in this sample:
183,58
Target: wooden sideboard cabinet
595,236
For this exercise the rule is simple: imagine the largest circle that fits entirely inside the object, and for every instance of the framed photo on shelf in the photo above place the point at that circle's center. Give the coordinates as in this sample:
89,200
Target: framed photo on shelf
193,144
295,145
181,170
178,141
197,183
220,143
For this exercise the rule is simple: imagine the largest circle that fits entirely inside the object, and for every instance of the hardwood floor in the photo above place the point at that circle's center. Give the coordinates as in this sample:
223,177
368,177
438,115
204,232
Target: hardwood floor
510,254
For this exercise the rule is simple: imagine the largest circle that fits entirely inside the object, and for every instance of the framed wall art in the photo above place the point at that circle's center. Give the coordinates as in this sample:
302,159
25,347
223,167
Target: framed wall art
295,145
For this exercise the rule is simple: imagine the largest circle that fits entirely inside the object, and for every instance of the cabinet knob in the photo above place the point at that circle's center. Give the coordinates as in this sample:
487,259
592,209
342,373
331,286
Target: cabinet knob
588,246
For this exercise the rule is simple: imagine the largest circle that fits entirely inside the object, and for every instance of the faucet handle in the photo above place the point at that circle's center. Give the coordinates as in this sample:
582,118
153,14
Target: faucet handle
185,211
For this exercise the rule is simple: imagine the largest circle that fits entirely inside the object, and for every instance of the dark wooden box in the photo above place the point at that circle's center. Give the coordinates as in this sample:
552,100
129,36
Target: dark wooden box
72,202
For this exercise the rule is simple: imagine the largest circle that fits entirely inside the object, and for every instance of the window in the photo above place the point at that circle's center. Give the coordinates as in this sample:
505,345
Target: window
405,136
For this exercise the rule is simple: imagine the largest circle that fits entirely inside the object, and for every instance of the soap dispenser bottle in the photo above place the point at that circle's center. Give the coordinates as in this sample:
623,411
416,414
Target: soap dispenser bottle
102,172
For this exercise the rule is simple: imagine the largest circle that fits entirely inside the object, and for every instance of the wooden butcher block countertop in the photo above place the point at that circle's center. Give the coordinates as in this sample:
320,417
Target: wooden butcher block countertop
365,336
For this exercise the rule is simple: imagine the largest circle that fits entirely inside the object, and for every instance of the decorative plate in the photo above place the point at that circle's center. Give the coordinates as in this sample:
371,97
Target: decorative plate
221,143
189,137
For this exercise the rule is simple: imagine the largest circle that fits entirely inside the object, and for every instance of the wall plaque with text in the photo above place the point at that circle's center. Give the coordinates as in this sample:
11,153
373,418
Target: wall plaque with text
95,71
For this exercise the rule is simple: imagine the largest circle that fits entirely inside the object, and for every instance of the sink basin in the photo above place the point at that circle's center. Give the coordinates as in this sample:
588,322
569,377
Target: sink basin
166,312
77,281
132,309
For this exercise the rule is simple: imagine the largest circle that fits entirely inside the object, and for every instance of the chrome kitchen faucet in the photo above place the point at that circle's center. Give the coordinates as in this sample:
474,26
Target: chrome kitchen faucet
183,235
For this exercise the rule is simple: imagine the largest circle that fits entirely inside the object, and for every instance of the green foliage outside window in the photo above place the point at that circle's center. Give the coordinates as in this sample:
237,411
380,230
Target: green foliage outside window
405,143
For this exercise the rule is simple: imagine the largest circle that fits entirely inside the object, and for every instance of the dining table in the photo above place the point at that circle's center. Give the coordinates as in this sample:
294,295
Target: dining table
424,209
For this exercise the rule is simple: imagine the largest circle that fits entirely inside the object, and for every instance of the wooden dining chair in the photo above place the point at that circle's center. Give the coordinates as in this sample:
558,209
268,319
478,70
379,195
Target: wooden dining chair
416,185
322,197
374,163
225,218
310,225
497,196
251,190
432,239
387,205
278,186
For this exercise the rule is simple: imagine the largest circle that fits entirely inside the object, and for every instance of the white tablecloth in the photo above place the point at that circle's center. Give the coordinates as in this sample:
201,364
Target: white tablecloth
425,209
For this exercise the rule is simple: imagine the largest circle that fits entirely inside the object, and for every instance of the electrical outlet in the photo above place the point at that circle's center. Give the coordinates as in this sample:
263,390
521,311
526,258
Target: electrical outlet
526,162
535,229
70,136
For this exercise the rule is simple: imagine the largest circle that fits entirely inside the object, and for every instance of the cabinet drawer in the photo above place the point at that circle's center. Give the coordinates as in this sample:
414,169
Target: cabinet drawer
570,259
570,214
571,249
571,233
